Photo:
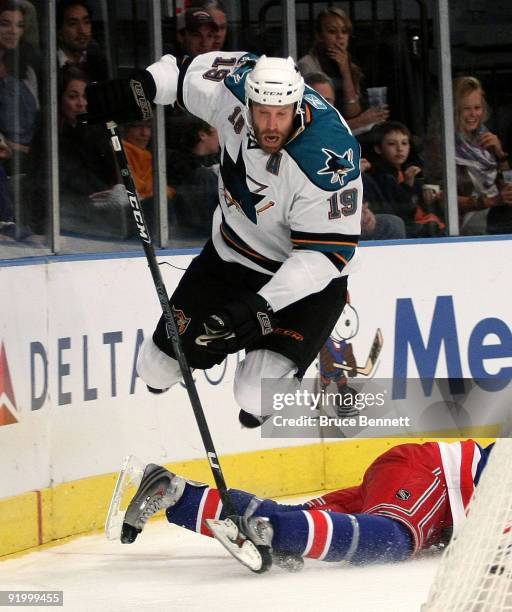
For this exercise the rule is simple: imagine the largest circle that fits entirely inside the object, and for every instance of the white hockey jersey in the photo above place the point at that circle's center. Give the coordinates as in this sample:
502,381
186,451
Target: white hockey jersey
295,214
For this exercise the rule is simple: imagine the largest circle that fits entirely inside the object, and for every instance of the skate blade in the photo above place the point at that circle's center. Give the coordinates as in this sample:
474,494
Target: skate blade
127,483
256,558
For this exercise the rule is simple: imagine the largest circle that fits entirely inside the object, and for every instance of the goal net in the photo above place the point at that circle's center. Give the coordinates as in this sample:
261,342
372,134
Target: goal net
475,572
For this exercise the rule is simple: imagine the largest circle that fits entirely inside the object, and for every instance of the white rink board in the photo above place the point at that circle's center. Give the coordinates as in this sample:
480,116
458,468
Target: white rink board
84,316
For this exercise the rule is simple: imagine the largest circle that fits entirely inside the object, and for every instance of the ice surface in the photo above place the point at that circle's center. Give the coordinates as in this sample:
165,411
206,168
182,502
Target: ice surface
171,569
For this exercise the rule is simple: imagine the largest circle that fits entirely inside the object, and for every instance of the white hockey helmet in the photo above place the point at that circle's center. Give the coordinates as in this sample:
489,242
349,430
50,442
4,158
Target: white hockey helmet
275,81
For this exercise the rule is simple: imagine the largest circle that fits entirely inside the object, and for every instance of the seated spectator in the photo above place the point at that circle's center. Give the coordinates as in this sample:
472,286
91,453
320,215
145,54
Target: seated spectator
31,34
322,84
136,138
19,100
193,168
484,200
380,226
219,15
75,43
399,182
329,54
92,200
196,32
378,222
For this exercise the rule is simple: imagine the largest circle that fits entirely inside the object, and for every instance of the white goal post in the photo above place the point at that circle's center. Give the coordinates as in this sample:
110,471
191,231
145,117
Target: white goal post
475,572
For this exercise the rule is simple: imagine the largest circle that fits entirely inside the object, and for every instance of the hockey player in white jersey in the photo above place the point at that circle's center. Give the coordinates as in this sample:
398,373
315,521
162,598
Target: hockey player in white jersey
272,280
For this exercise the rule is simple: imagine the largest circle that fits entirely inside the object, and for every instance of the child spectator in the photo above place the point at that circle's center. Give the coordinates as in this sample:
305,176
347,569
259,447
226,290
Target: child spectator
399,181
329,54
136,139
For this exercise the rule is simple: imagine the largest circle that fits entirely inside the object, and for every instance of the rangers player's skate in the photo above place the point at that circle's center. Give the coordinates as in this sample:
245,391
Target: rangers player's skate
158,489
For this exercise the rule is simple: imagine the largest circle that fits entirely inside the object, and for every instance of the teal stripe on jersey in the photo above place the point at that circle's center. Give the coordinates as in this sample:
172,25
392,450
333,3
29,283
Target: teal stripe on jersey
235,82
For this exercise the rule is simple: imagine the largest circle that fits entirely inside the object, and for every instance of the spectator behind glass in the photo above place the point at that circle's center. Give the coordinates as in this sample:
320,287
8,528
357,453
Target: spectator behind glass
136,139
75,42
399,181
322,84
219,15
484,199
87,172
18,79
374,226
196,32
329,54
193,169
31,34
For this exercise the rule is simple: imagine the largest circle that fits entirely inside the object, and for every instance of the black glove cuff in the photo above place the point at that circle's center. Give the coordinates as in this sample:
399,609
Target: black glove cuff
121,100
145,78
262,311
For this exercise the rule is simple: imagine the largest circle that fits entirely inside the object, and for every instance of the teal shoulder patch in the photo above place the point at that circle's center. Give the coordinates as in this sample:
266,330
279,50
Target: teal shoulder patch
325,151
235,82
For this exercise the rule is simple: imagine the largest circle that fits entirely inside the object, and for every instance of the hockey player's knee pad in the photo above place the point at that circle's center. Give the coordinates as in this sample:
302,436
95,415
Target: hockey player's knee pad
157,369
258,365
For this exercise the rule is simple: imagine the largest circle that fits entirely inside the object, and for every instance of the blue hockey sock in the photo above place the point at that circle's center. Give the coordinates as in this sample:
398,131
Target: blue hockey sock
199,502
333,536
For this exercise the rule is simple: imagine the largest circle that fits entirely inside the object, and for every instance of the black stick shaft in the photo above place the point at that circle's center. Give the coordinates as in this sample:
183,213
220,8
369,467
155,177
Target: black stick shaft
170,323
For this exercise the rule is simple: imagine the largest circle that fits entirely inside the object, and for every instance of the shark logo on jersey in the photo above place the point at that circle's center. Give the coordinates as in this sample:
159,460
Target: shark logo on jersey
315,101
338,165
236,192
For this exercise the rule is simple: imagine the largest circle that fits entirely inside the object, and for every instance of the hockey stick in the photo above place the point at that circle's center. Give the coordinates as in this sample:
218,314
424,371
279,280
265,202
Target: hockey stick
254,556
170,323
375,350
243,547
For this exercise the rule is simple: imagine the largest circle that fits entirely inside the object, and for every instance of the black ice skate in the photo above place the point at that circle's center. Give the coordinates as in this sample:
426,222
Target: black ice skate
250,421
159,489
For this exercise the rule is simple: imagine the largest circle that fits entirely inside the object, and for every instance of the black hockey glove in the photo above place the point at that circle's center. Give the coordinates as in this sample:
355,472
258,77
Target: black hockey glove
237,325
120,100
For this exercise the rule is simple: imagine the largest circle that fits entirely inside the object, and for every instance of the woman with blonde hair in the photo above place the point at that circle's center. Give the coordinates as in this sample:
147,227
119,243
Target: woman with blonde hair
329,54
484,199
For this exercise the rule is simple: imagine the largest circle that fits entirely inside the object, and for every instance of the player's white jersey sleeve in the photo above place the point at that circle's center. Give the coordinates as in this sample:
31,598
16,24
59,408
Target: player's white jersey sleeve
324,230
198,85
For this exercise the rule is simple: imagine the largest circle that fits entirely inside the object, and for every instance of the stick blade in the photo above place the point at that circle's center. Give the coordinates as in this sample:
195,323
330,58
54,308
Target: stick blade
127,482
256,557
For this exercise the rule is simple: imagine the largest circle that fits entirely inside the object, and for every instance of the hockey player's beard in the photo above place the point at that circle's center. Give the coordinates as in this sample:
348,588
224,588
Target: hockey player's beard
270,141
